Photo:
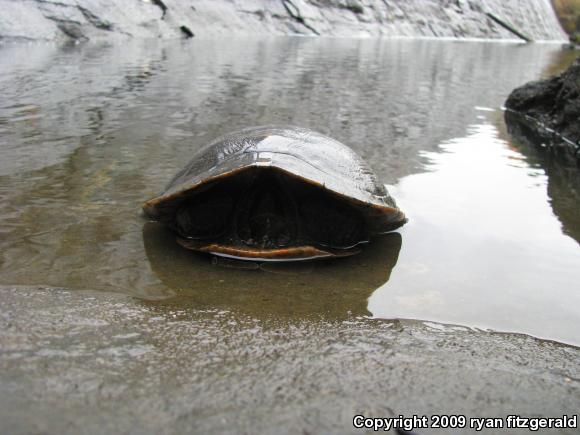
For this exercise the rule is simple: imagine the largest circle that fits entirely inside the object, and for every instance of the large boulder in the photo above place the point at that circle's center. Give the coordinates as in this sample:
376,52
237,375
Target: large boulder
546,114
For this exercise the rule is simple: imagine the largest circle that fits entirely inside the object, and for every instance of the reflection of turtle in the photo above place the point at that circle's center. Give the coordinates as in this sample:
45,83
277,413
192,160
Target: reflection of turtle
283,291
274,193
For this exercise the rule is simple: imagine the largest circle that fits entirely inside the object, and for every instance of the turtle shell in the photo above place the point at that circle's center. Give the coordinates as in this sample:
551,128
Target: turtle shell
299,154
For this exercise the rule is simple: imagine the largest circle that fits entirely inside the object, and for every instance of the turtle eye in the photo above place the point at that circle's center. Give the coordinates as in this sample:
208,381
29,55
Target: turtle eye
205,216
331,224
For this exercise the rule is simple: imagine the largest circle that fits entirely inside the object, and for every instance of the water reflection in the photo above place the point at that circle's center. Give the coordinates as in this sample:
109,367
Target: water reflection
89,132
332,289
483,247
558,164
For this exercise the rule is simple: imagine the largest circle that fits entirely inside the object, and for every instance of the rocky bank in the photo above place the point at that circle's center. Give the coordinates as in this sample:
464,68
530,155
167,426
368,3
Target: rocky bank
546,114
90,19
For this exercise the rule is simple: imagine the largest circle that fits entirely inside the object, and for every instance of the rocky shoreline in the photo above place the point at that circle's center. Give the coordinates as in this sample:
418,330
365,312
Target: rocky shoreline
545,114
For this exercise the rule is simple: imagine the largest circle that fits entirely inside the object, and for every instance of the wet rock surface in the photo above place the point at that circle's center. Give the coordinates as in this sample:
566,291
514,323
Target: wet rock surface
88,362
90,19
546,114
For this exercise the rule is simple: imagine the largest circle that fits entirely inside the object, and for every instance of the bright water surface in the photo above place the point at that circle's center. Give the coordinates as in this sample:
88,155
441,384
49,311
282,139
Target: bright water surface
88,132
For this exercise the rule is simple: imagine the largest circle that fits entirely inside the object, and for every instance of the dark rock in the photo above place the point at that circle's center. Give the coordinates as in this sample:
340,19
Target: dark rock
547,113
186,31
162,6
544,119
352,6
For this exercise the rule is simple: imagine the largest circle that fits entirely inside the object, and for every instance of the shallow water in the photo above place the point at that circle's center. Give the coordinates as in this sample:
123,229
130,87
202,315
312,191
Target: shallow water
88,132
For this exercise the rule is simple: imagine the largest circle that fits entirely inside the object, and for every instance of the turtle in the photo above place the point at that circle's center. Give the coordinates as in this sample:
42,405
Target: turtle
276,193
